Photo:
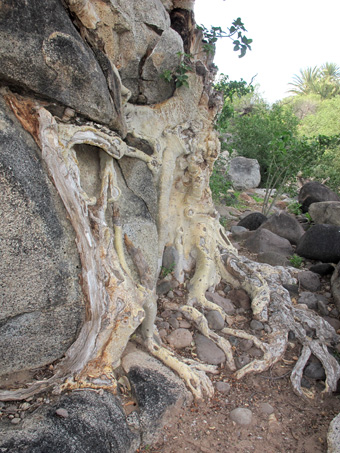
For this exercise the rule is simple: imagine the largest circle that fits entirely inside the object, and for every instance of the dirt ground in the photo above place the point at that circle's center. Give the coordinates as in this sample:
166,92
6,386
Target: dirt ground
295,426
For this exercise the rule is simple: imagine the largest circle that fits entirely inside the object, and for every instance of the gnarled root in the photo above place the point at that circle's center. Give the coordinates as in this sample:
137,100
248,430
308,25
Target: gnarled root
193,373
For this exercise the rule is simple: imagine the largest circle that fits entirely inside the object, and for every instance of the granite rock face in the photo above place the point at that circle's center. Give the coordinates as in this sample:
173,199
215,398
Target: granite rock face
41,52
41,299
87,422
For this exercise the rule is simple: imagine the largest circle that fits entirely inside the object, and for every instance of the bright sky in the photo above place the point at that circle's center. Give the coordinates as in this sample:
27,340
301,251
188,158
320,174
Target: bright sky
287,36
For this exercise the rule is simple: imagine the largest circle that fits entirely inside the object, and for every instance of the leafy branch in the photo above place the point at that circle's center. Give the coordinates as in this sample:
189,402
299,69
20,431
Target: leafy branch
179,75
235,33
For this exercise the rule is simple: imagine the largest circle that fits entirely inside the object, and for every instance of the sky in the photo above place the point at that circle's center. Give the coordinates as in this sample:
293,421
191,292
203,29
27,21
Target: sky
287,36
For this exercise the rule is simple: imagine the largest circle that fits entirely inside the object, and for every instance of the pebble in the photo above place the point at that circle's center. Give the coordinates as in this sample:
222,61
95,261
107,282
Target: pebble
309,299
256,325
241,416
62,412
335,323
173,322
184,324
266,408
309,280
245,345
170,295
240,298
25,406
222,302
180,338
223,387
215,320
242,360
15,421
322,307
162,333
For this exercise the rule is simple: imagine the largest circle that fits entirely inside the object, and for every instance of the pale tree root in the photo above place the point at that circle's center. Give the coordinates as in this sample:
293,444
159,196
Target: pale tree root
313,332
191,371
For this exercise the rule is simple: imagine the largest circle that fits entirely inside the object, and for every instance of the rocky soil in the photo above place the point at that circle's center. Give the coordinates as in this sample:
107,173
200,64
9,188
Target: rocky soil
260,413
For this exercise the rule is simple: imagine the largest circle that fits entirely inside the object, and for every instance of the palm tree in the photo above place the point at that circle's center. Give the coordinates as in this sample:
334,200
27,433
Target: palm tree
305,82
323,81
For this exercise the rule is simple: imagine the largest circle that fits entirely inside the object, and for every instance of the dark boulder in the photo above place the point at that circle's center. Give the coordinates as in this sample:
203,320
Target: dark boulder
320,242
88,423
252,221
314,192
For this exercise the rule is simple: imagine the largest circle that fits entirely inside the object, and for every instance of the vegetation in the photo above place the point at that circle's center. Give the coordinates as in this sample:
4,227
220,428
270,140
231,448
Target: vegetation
296,261
300,135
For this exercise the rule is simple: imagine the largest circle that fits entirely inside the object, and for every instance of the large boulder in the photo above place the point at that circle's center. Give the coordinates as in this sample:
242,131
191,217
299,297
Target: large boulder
315,192
244,173
261,241
284,225
89,422
325,212
42,307
252,221
42,52
320,242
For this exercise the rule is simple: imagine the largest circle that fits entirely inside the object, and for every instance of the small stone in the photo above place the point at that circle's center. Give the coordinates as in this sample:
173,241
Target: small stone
315,370
245,345
173,322
170,295
309,280
215,320
25,406
255,352
184,324
322,307
267,328
239,298
241,416
180,338
266,408
62,412
222,302
207,351
223,387
305,383
242,360
309,299
16,421
162,333
166,313
256,325
335,323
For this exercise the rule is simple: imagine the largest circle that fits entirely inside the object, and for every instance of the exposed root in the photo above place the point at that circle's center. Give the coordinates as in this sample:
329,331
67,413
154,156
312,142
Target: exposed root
202,325
193,373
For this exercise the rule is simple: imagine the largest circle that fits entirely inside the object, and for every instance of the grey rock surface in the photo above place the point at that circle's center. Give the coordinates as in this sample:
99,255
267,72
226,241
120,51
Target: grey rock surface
325,212
42,305
41,51
207,351
244,173
285,226
272,258
222,302
265,241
